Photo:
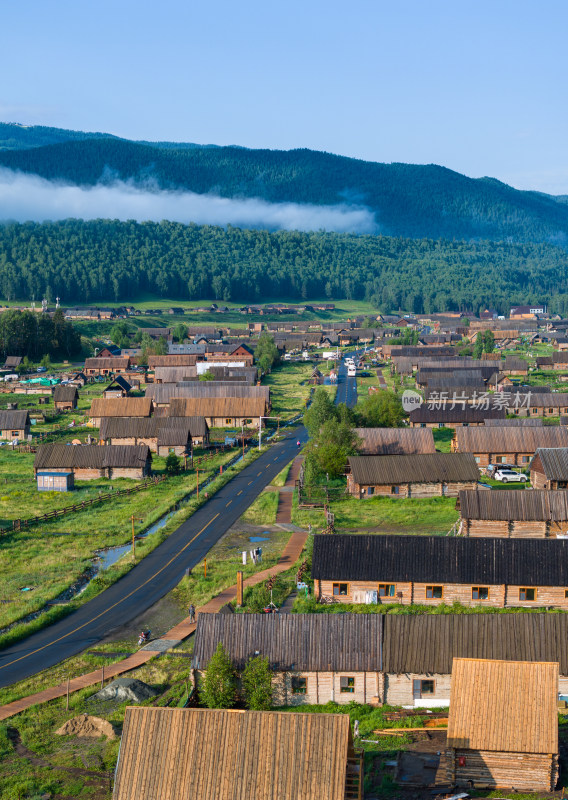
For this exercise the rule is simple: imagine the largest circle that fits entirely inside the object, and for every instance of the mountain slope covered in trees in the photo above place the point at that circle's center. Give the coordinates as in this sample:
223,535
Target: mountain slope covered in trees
408,200
107,260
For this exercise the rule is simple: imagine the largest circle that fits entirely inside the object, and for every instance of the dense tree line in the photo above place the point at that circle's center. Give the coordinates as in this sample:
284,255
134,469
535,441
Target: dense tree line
34,335
107,260
408,199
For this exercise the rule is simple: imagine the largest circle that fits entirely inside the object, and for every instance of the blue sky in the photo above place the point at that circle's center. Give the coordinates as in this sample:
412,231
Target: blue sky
479,86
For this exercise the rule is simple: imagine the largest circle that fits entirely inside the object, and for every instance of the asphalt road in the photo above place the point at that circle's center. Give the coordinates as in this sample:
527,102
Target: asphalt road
156,575
346,387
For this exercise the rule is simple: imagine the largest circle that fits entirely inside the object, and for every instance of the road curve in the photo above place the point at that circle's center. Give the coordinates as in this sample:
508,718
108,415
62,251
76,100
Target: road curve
156,575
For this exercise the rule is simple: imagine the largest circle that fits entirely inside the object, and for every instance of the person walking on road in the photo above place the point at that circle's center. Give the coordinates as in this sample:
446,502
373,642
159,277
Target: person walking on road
191,612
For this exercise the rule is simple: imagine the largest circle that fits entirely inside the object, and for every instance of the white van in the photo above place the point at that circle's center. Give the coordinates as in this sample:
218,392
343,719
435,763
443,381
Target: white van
351,371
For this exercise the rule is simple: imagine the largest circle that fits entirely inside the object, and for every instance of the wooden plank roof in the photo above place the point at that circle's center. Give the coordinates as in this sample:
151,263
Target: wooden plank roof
421,468
425,413
218,407
395,441
553,461
516,422
121,407
57,456
164,392
293,641
215,754
65,394
427,643
112,363
149,427
504,706
509,504
514,439
441,559
16,420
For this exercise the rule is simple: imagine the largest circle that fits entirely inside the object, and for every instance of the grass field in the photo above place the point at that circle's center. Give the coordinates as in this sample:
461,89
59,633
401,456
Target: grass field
288,388
263,510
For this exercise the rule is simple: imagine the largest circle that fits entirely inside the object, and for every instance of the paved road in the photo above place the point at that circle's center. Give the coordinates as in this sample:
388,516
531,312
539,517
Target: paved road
153,577
346,387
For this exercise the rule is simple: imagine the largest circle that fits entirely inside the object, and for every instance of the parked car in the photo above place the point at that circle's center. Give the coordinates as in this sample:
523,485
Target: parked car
491,469
509,476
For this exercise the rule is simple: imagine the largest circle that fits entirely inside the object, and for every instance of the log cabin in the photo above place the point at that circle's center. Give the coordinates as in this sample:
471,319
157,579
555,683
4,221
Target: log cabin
162,394
507,444
89,462
65,398
106,366
395,441
489,744
315,658
218,754
423,475
14,425
441,570
538,514
123,407
549,468
163,435
432,417
119,387
221,412
539,404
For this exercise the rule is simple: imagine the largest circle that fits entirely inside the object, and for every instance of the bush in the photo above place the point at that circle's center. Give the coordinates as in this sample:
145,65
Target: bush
257,684
173,464
219,686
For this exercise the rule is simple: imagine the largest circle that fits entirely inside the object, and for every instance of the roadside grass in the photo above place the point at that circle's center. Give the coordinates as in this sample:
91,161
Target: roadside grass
289,390
263,510
50,557
394,515
443,439
310,605
282,477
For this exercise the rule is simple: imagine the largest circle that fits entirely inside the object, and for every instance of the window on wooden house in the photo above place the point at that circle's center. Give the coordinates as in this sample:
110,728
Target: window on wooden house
227,422
423,688
480,592
346,684
386,589
395,489
566,594
434,592
441,424
527,593
299,685
15,434
550,410
340,589
370,490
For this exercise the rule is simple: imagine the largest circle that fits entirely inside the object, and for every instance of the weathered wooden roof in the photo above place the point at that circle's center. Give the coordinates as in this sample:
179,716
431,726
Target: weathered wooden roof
164,392
215,754
173,360
514,439
422,468
293,641
516,422
149,427
441,559
425,413
121,407
537,505
16,420
65,394
120,381
112,363
395,441
217,407
427,643
554,462
552,400
57,456
504,706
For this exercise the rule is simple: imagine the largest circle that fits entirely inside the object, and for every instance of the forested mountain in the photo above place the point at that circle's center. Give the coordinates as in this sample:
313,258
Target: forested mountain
408,200
110,260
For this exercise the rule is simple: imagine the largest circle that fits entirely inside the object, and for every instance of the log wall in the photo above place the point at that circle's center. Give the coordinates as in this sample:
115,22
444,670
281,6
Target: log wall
399,689
525,771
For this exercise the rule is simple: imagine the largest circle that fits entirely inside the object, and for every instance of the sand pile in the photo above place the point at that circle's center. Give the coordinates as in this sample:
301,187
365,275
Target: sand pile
89,727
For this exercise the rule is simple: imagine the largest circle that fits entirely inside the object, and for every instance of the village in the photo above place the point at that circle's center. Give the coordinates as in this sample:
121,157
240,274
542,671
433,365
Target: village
380,612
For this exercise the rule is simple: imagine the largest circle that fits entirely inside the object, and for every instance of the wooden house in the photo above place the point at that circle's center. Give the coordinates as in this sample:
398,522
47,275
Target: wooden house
489,743
395,441
431,570
549,468
423,475
119,407
461,416
418,650
65,397
163,394
218,754
89,462
12,362
538,404
113,365
513,514
119,387
163,435
507,444
315,658
14,425
221,412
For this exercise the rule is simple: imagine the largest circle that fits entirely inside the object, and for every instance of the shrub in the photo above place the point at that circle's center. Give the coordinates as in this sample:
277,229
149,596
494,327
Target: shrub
219,686
257,684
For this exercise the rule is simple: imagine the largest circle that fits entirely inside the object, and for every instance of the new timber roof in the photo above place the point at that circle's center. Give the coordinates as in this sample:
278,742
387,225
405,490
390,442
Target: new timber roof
554,462
58,456
121,407
424,468
395,441
215,754
228,407
537,505
308,642
441,559
427,643
504,706
515,439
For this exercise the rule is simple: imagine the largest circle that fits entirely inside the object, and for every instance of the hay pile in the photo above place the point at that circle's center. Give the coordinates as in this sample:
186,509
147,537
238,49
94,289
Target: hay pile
87,727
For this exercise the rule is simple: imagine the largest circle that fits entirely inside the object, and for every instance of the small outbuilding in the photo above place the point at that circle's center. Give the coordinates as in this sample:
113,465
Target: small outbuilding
503,725
14,425
538,514
65,398
549,468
